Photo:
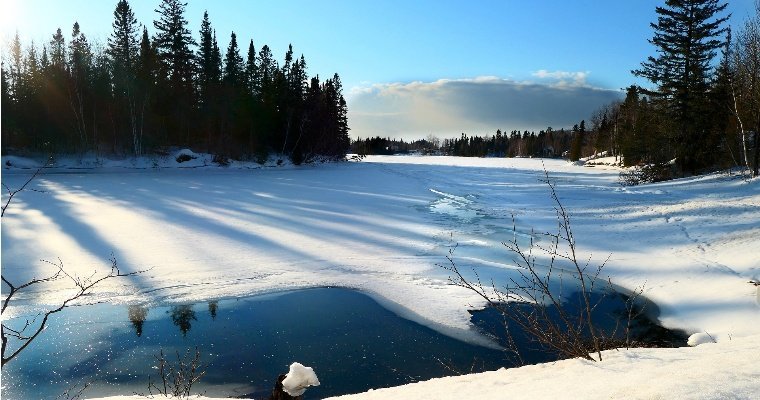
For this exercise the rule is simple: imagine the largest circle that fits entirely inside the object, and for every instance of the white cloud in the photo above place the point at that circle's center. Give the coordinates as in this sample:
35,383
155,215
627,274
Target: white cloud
480,105
563,78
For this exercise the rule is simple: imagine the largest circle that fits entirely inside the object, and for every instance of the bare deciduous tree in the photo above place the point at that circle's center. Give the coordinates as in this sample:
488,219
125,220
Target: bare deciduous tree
745,87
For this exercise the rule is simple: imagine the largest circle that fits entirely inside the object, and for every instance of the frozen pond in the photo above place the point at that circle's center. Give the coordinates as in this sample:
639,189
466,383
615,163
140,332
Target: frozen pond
352,343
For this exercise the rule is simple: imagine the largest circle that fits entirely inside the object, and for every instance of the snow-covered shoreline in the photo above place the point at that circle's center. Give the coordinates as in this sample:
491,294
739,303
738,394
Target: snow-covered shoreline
383,225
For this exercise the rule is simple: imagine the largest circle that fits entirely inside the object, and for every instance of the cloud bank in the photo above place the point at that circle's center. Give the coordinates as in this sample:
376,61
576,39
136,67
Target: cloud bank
447,107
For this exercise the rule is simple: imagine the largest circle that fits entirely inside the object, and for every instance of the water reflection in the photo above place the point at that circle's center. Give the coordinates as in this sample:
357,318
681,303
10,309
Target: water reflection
181,316
137,315
349,339
212,306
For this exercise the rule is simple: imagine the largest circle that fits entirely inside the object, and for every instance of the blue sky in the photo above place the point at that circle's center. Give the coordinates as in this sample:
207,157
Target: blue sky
378,47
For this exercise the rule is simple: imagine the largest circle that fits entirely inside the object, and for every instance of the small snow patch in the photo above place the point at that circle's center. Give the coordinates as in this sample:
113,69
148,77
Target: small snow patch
298,379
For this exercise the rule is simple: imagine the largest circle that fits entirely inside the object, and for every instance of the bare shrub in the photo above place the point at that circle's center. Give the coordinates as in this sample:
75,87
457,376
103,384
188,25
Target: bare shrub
177,378
531,302
648,173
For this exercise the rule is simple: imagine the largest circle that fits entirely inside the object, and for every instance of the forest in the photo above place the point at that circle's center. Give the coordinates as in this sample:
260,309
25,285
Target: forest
140,93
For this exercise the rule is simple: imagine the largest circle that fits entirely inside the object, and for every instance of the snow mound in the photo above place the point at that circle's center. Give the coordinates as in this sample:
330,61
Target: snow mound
700,338
298,379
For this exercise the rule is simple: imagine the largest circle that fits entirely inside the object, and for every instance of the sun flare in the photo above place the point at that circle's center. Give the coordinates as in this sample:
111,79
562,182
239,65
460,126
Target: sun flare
8,14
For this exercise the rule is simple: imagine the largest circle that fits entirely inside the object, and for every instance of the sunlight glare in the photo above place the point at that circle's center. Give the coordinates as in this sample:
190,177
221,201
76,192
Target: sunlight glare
8,15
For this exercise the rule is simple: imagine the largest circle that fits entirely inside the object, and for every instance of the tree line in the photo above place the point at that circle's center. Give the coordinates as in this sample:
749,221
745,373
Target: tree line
141,93
547,143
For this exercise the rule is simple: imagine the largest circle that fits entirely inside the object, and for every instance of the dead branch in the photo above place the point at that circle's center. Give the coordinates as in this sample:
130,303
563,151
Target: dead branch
12,193
82,286
530,300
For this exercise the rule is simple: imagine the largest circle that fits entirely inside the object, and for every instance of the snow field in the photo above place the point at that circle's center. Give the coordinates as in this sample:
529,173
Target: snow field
384,225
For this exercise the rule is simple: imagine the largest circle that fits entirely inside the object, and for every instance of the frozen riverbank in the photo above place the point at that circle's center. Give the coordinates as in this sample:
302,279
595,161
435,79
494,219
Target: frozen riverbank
382,226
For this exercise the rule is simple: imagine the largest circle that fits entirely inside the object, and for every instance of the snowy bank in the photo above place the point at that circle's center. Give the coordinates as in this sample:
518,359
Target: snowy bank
728,370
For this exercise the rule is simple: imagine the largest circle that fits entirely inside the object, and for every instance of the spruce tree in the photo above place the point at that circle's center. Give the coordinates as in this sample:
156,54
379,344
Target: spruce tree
686,36
233,64
208,75
123,51
122,43
173,43
80,66
252,76
145,85
576,147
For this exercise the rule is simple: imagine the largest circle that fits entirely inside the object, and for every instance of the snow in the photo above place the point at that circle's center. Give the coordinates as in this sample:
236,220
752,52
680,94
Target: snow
384,225
700,338
727,370
298,379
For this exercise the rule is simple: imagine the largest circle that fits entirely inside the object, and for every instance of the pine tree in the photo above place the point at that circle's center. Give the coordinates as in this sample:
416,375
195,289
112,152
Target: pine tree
576,147
8,128
233,64
342,140
122,43
208,76
80,65
252,76
172,42
123,51
16,68
58,49
686,35
145,85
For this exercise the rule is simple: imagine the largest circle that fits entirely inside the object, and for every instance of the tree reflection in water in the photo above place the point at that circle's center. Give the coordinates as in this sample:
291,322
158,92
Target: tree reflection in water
181,316
137,315
212,306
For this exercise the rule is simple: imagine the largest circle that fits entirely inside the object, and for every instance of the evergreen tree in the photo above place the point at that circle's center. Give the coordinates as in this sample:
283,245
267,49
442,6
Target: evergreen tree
578,137
342,141
123,51
208,73
16,67
233,64
135,97
172,42
123,47
252,76
687,35
209,81
80,64
145,85
58,49
8,129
